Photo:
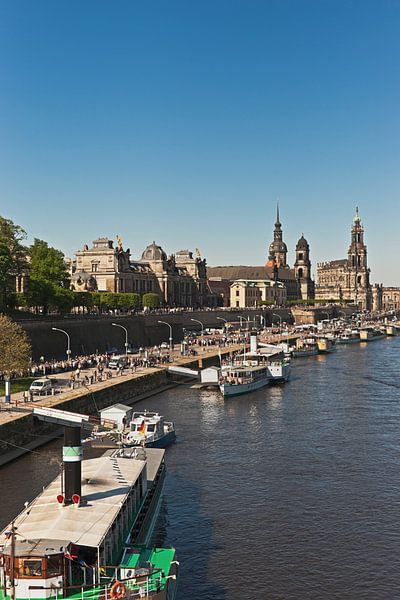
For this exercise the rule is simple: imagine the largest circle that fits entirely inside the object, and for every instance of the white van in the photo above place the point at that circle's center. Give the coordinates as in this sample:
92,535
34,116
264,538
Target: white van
41,386
118,361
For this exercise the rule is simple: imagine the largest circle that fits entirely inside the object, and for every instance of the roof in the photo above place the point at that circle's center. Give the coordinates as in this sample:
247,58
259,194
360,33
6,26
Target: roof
106,482
234,272
116,408
40,547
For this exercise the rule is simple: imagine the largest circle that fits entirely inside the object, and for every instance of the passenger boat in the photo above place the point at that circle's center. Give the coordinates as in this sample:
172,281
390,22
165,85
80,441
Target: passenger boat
326,345
391,330
85,535
254,371
348,337
242,378
149,429
305,347
369,334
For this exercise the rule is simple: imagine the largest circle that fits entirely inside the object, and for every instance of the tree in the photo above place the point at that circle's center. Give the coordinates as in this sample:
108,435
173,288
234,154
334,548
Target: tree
13,259
15,349
47,264
151,300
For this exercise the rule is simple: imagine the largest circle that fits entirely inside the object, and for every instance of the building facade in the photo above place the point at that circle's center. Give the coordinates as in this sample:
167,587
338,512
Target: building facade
249,294
348,279
297,281
179,279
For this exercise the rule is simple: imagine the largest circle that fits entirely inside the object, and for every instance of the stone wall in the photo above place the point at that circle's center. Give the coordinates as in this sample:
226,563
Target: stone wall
89,335
27,430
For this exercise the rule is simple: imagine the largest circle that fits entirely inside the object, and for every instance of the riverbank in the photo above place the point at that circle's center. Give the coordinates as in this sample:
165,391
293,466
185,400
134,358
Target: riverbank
20,432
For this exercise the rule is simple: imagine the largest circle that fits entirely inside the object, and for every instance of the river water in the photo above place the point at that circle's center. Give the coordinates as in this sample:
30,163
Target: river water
290,492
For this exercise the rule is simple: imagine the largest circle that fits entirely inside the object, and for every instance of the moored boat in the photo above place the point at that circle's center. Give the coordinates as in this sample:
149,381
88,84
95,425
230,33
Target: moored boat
391,330
149,429
305,347
326,345
85,535
348,337
370,334
243,377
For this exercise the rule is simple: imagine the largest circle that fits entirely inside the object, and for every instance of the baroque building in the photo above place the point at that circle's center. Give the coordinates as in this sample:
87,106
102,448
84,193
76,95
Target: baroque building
297,281
347,279
179,279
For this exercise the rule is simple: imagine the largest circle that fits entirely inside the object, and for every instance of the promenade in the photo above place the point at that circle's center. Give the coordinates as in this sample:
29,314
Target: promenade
63,391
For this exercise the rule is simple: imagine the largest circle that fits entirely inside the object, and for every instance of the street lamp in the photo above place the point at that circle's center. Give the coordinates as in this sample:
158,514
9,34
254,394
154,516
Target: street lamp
170,334
202,326
280,320
126,336
68,341
224,320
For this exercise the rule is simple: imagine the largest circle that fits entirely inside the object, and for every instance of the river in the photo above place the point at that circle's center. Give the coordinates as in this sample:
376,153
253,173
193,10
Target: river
288,493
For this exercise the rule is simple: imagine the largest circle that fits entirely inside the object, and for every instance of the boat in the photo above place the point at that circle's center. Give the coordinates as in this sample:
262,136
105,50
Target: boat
391,330
254,370
326,345
243,377
348,337
149,429
370,334
86,534
305,347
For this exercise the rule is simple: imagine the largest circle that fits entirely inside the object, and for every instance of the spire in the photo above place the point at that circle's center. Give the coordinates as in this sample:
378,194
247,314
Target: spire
277,213
357,217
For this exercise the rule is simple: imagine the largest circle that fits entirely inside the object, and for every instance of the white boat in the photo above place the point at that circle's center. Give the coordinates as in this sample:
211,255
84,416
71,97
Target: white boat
242,378
254,371
149,429
391,330
348,337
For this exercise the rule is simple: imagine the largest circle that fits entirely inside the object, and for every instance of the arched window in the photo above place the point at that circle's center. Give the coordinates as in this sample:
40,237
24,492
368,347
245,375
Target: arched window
300,272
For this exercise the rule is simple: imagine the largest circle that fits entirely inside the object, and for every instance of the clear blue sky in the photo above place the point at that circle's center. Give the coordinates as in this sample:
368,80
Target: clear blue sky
183,121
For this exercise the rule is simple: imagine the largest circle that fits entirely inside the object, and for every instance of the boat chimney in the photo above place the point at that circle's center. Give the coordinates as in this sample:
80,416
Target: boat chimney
72,459
253,342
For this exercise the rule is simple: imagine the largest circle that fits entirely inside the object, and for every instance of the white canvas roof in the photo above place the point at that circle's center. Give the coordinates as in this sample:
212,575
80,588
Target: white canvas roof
106,481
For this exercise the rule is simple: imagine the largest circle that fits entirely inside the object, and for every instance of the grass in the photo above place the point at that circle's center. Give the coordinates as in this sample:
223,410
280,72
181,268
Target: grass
17,385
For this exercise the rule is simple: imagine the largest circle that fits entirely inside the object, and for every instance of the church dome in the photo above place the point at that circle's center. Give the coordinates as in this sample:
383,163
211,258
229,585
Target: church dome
302,244
154,252
277,246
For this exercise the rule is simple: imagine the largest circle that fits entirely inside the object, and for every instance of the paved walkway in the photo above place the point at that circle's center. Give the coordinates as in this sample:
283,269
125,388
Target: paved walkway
62,383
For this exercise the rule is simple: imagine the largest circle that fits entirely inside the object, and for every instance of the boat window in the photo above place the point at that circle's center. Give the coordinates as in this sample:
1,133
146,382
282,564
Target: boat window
53,566
30,567
151,427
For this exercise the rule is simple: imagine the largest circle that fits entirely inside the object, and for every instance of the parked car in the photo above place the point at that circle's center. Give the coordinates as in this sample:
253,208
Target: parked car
41,386
117,362
164,345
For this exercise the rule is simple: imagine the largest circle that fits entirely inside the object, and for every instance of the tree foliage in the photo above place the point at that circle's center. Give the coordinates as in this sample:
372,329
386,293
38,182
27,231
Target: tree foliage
15,349
47,264
13,259
151,300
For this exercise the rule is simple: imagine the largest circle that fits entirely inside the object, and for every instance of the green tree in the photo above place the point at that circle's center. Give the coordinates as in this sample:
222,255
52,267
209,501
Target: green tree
151,300
47,264
13,258
129,301
15,349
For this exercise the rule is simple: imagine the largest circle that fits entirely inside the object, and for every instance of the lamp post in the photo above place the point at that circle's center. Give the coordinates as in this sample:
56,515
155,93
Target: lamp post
224,320
202,326
170,334
280,321
68,341
126,336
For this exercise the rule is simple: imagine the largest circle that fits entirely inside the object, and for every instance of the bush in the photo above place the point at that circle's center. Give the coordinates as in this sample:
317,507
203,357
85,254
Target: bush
151,300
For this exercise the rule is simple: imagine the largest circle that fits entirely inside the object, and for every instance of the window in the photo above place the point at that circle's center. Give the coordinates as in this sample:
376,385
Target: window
237,293
53,566
30,567
300,256
95,267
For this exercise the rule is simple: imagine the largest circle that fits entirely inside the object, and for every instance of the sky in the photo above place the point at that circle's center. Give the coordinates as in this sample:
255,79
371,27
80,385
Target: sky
185,122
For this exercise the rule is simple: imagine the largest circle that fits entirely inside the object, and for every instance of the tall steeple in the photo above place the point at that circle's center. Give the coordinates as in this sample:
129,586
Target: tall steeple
357,254
277,248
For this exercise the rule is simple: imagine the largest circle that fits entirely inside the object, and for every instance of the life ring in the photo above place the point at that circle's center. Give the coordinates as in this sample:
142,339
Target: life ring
117,591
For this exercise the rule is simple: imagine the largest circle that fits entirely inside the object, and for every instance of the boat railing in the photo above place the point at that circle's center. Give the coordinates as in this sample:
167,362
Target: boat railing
140,586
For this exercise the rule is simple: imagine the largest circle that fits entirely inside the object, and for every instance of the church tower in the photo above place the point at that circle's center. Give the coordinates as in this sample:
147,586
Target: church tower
278,249
357,265
302,268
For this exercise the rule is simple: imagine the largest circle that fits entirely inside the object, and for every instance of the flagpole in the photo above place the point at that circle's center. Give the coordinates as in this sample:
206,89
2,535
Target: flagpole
12,570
